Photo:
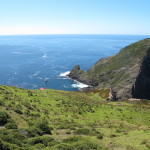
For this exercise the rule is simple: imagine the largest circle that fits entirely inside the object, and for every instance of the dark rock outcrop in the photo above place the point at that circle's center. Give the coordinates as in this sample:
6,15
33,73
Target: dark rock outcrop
112,96
141,88
75,72
126,73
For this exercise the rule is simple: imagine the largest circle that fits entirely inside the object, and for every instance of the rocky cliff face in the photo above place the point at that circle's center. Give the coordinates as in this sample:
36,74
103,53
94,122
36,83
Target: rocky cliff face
141,87
126,73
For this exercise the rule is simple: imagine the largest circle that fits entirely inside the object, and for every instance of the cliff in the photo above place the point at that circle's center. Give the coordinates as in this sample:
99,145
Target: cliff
126,73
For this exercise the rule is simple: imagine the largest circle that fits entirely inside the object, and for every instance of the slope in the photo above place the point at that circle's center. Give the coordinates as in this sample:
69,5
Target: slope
62,120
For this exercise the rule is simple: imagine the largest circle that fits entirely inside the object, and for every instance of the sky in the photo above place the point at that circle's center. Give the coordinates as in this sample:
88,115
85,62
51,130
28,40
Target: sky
74,17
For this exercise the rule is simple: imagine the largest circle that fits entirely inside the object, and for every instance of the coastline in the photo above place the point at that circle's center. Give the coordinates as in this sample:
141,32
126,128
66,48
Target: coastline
79,85
85,86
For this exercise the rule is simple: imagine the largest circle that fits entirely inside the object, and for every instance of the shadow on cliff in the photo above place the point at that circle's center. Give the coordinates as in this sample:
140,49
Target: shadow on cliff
141,88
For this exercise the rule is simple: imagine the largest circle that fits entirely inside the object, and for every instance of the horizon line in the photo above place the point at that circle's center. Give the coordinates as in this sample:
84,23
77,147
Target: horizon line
71,34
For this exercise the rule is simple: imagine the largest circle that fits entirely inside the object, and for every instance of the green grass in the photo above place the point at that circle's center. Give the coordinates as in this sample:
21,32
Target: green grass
63,120
127,57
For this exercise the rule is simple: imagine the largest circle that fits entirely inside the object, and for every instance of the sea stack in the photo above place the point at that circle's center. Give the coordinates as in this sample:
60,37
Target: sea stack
126,73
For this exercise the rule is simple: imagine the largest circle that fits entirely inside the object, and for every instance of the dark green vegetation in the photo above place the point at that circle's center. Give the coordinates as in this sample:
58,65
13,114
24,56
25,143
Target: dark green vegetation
61,120
127,72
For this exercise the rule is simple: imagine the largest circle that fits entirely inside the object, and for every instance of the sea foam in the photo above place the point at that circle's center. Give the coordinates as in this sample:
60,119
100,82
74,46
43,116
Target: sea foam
64,74
79,85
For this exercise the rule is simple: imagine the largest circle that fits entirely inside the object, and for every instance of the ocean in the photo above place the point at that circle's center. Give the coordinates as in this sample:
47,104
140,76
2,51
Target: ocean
26,61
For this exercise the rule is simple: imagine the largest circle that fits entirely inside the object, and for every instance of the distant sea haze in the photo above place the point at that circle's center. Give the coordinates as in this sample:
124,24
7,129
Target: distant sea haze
43,61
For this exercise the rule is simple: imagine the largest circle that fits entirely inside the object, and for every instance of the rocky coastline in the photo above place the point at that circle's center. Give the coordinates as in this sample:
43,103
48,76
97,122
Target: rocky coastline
127,73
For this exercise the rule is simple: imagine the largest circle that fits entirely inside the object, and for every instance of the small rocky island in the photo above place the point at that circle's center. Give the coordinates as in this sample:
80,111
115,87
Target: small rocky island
127,73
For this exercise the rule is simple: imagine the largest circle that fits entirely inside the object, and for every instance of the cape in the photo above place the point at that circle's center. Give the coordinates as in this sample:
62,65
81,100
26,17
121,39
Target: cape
127,73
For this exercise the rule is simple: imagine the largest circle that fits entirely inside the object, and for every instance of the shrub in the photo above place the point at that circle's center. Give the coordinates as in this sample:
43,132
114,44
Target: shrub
43,126
3,118
27,112
43,140
82,131
144,141
119,130
46,140
72,139
61,126
11,139
30,93
11,126
7,146
72,128
40,146
34,140
113,135
68,132
1,102
148,145
129,147
1,144
12,136
19,111
100,136
52,143
85,145
33,131
62,146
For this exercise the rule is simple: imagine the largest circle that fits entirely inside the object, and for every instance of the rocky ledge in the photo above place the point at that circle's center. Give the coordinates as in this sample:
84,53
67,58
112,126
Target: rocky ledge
126,73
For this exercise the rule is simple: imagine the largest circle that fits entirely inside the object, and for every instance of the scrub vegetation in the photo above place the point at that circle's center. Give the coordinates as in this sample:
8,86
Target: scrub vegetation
64,120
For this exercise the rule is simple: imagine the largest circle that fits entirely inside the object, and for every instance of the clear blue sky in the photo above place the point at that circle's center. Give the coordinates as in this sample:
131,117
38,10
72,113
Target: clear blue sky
74,17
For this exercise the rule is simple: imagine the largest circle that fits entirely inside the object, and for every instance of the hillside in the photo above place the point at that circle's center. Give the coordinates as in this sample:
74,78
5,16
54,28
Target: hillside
62,120
126,73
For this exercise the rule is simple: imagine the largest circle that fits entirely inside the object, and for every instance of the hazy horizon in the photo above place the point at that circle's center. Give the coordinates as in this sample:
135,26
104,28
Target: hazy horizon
71,34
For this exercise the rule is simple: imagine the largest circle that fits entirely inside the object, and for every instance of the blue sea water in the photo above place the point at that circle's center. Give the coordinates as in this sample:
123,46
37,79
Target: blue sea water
26,60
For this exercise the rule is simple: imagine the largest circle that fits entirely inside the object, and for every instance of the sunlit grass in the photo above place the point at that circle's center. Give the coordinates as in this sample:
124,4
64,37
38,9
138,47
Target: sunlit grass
76,120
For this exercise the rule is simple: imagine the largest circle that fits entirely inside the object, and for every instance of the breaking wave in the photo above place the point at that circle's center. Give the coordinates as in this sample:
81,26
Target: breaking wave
64,74
79,85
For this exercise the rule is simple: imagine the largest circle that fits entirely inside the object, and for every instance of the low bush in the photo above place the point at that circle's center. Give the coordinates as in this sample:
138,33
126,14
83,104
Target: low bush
52,143
72,139
40,146
33,131
63,146
18,110
113,135
100,136
3,118
30,93
11,139
82,131
68,132
61,126
2,102
7,146
42,139
82,145
11,126
43,126
148,145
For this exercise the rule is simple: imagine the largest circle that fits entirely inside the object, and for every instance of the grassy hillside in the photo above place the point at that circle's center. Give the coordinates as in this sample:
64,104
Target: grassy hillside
127,57
62,120
120,68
